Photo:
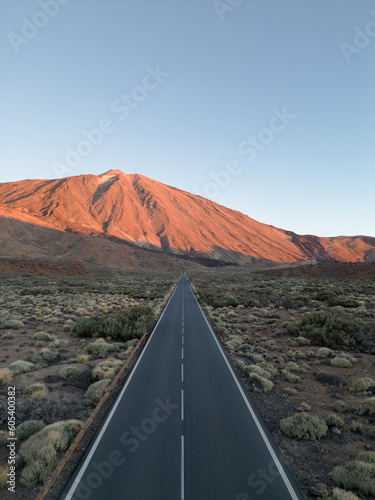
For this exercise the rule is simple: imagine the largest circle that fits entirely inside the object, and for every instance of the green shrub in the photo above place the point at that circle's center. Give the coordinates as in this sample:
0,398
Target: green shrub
57,344
123,326
349,357
260,371
340,407
94,393
303,426
42,336
101,349
334,421
367,456
20,366
292,367
324,352
270,368
13,323
365,408
356,475
290,392
340,363
107,369
291,377
5,376
70,373
363,384
217,298
44,449
260,384
28,428
328,296
50,355
36,390
327,328
339,494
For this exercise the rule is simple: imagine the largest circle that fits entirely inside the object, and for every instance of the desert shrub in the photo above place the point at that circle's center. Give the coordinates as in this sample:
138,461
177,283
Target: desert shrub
328,296
347,302
28,428
217,298
94,393
340,363
356,474
82,358
365,408
5,376
101,349
288,391
339,494
13,323
42,336
304,426
69,372
260,384
327,328
4,470
36,390
58,343
270,368
50,356
334,421
340,407
292,367
124,325
234,344
43,451
367,456
291,377
107,369
323,352
349,357
20,366
363,384
260,371
329,378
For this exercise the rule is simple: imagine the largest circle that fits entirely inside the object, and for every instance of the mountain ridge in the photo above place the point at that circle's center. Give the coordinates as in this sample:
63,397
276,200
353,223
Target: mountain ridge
148,214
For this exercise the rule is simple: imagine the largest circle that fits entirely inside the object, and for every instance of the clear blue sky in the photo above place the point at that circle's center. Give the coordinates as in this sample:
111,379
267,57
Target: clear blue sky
223,69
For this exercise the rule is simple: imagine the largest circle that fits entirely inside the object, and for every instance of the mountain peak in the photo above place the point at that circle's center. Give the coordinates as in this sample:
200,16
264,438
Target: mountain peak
113,172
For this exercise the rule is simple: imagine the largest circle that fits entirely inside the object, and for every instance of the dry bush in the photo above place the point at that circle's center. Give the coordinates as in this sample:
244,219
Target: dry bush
43,451
5,376
95,392
304,426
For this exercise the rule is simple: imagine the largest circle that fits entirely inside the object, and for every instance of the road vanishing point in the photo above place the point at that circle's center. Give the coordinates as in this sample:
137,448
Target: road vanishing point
183,426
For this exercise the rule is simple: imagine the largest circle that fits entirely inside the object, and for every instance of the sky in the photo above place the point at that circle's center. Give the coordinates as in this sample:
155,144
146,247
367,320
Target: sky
264,106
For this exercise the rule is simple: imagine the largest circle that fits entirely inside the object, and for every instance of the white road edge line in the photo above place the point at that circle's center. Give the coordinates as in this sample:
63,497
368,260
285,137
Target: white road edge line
77,480
182,468
257,423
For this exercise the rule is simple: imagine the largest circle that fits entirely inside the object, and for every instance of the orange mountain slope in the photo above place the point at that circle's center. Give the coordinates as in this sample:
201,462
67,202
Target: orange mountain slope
133,208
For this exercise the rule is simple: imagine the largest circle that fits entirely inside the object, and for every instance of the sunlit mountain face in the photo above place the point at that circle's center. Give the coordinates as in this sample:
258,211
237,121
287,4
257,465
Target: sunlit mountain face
92,216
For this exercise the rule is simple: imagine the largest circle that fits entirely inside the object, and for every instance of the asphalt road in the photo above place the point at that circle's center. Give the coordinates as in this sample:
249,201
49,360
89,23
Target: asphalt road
182,426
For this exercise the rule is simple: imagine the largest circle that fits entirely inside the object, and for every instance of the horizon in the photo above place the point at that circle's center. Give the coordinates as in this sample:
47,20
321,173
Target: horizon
266,109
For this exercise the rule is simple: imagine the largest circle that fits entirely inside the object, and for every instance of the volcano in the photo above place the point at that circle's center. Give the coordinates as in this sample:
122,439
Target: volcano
130,219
